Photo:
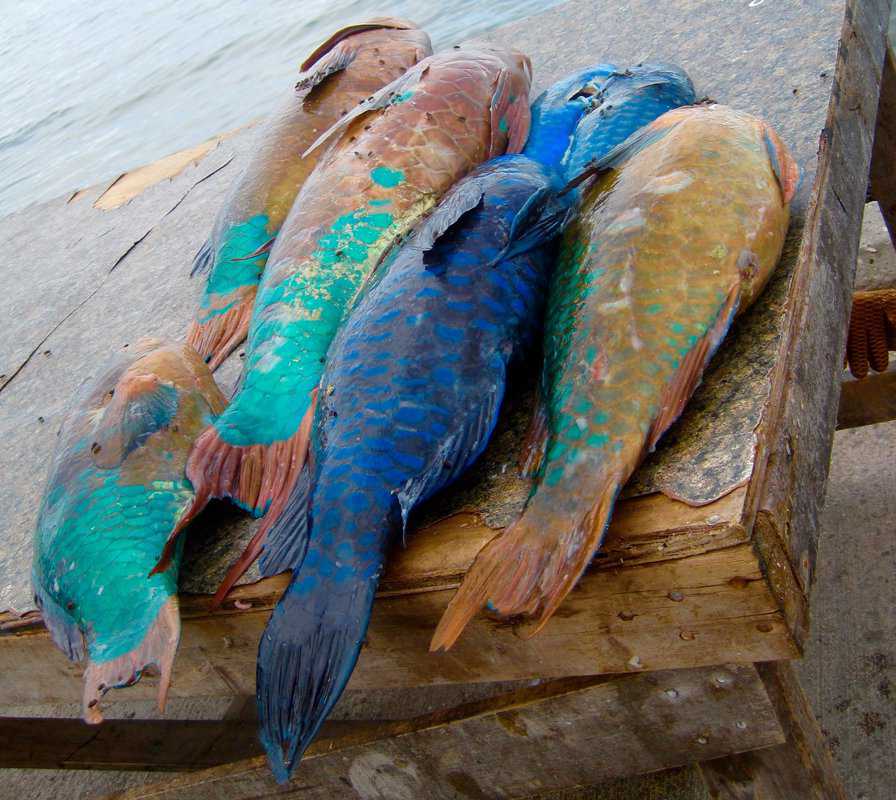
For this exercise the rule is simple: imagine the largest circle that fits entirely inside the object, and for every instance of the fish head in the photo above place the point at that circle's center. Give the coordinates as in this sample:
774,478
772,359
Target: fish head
558,109
625,101
155,408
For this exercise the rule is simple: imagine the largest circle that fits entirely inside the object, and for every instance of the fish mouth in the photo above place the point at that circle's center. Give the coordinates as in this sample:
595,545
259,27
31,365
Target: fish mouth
157,651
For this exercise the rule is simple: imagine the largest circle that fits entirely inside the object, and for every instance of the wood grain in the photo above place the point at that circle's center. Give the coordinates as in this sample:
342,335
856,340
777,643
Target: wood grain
867,401
801,767
706,609
538,739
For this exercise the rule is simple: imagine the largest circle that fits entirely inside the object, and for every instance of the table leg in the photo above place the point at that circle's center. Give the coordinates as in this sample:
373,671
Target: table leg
802,767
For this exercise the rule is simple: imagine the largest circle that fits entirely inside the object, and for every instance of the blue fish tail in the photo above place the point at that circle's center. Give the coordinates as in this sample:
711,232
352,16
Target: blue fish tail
314,636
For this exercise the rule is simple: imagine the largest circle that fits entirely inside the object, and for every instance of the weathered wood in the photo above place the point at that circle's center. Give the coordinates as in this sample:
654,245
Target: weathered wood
760,424
546,737
796,434
702,610
140,744
801,767
882,178
867,401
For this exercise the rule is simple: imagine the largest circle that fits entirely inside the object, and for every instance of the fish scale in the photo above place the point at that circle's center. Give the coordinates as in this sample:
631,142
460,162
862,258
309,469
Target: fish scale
678,233
342,72
398,153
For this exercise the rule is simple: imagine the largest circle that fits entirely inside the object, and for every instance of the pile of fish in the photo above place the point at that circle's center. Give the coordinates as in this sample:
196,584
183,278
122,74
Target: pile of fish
407,230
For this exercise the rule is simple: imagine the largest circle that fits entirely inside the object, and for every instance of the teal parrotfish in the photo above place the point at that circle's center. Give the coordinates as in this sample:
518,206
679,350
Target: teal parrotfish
399,152
116,489
679,230
347,68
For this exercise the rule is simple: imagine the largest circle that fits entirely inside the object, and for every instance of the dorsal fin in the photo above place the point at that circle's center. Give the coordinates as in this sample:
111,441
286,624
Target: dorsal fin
462,199
378,100
350,30
785,168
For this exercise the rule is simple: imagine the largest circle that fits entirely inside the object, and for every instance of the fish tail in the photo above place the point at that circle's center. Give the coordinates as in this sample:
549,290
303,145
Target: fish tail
258,478
528,569
157,649
280,540
311,644
217,336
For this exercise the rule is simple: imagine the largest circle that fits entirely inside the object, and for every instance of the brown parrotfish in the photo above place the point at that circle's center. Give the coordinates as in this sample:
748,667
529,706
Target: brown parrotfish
116,490
678,232
398,153
346,69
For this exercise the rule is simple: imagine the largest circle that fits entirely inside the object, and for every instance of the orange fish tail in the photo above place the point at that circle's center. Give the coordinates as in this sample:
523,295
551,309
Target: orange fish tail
258,478
220,335
526,570
157,649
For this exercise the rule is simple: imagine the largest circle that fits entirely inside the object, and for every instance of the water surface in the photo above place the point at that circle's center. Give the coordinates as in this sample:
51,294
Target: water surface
91,89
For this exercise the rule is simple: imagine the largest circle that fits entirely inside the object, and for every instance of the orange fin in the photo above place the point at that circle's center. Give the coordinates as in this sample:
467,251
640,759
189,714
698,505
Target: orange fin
785,168
526,570
509,118
278,502
157,649
220,335
536,441
382,98
687,377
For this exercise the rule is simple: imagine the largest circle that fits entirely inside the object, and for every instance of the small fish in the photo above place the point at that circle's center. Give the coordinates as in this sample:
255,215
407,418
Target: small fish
414,383
400,151
678,233
116,489
347,68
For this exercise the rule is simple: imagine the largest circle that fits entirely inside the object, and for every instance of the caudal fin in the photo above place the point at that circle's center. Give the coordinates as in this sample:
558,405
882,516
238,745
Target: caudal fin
306,656
258,478
157,649
217,336
526,570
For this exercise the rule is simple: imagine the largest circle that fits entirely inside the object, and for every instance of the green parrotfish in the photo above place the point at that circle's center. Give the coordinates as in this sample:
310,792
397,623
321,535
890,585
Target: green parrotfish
399,152
678,233
117,487
347,68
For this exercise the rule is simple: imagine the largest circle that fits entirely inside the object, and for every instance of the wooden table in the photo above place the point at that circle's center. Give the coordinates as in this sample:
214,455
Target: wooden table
706,572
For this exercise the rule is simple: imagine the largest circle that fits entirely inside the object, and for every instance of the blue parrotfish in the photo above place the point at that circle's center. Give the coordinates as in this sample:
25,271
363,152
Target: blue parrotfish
680,228
116,490
398,153
347,68
409,399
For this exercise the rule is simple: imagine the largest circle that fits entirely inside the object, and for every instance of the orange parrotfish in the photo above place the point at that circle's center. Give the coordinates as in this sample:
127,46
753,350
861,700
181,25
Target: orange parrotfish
679,231
346,69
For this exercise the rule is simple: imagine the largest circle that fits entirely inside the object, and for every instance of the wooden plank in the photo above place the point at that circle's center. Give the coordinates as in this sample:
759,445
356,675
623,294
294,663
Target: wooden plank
867,401
535,740
800,767
882,178
706,609
797,432
137,744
